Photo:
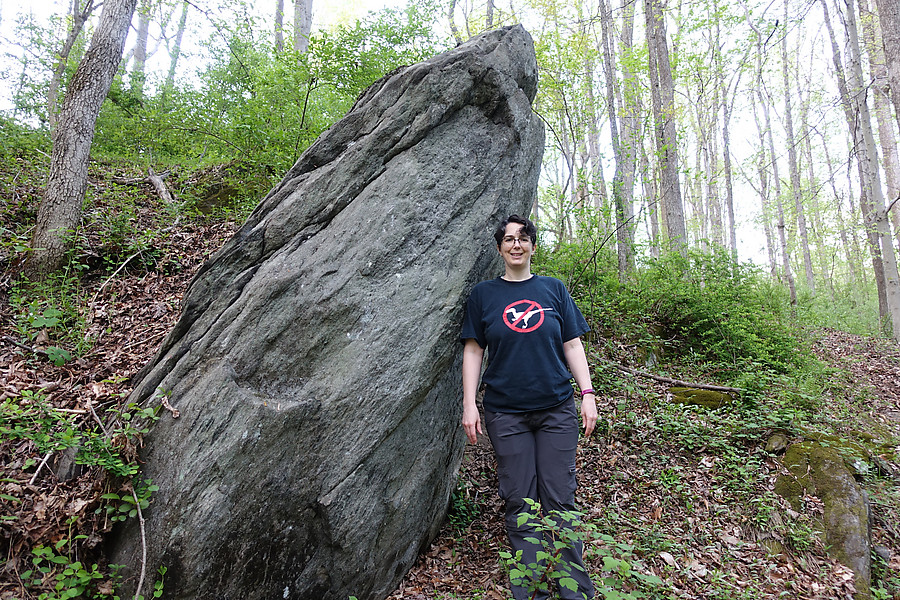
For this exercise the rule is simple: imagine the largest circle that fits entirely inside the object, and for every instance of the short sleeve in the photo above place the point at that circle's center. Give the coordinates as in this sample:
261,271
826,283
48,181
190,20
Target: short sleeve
473,325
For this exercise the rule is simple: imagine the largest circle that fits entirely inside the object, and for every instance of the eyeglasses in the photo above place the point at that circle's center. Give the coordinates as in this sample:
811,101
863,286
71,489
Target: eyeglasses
511,241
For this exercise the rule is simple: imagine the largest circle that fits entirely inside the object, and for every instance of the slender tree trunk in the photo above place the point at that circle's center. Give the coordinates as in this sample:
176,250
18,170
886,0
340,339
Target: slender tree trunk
451,17
175,52
855,136
851,252
889,18
663,96
623,226
877,217
279,26
60,211
815,212
79,17
788,273
881,103
793,167
489,15
628,96
651,198
138,71
302,25
728,100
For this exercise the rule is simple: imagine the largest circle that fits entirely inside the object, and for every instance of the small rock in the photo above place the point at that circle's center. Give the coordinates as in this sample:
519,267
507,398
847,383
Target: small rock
777,443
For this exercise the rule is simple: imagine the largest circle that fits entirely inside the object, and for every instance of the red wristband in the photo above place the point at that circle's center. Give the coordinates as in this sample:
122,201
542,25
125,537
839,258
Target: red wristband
586,392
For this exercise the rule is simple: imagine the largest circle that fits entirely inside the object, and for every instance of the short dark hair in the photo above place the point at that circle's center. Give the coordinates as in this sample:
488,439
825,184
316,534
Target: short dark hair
528,228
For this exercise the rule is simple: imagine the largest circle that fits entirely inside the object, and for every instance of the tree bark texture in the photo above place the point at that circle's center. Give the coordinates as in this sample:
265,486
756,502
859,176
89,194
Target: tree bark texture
881,104
663,96
60,211
889,18
624,241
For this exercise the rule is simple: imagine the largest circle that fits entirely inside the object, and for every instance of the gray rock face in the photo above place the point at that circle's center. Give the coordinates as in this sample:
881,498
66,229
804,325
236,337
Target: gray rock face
315,365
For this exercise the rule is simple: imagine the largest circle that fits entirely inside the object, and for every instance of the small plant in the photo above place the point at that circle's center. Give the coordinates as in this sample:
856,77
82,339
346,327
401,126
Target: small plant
465,506
124,506
559,530
54,568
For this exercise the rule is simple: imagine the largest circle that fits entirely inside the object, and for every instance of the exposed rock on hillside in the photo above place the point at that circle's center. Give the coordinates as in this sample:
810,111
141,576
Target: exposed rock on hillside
315,365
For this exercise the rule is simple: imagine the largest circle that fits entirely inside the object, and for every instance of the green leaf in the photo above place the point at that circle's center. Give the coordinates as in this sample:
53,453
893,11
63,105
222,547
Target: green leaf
568,583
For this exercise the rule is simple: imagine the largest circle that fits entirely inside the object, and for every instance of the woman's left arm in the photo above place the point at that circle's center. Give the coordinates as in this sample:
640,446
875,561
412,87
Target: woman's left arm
578,365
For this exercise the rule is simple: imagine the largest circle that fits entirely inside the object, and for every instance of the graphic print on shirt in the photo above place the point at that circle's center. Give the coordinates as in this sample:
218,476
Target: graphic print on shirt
518,314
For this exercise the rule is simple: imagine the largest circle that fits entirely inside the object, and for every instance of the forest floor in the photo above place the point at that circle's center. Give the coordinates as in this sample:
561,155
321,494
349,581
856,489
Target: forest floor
677,514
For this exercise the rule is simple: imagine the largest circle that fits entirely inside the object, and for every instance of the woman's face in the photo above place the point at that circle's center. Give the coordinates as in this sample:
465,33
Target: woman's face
516,247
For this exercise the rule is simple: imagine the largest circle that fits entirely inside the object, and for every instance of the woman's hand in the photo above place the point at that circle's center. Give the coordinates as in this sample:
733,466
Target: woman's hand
589,413
471,422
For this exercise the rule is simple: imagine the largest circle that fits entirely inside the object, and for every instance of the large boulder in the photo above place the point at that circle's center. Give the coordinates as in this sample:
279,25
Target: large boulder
315,366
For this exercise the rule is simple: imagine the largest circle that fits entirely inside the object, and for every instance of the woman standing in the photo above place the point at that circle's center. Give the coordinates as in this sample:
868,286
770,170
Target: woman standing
531,329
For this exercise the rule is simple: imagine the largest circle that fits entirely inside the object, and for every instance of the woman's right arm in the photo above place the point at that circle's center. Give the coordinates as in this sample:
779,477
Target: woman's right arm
471,375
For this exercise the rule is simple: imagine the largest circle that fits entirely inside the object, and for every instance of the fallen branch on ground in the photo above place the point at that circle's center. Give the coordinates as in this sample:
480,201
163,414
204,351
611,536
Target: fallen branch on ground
679,382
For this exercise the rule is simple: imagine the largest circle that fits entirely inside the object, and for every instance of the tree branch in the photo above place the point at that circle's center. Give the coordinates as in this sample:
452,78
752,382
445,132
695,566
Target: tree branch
678,382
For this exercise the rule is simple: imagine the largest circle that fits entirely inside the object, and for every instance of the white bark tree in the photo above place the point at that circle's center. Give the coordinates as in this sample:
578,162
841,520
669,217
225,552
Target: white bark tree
302,25
889,18
663,96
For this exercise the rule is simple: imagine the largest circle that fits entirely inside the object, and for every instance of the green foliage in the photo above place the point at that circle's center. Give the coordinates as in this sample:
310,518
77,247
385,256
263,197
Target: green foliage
50,311
558,530
54,566
257,104
125,506
465,506
704,308
30,416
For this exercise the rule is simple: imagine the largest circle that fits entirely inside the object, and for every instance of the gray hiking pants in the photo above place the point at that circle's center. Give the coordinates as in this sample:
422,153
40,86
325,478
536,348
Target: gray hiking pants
536,459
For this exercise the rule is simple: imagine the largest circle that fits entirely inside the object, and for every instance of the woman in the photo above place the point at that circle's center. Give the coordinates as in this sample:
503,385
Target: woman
530,327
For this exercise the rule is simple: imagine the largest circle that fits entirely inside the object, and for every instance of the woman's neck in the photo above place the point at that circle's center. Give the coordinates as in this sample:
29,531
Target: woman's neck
517,274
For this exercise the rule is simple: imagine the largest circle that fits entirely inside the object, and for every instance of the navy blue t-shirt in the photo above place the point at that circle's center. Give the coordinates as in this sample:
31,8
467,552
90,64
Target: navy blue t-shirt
523,325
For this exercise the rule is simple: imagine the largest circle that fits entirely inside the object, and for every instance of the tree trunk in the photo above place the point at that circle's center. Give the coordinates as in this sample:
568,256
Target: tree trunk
793,167
663,96
175,52
629,103
489,16
651,198
138,71
79,17
60,210
279,26
624,242
889,18
876,216
302,25
881,102
451,17
851,252
815,212
851,109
